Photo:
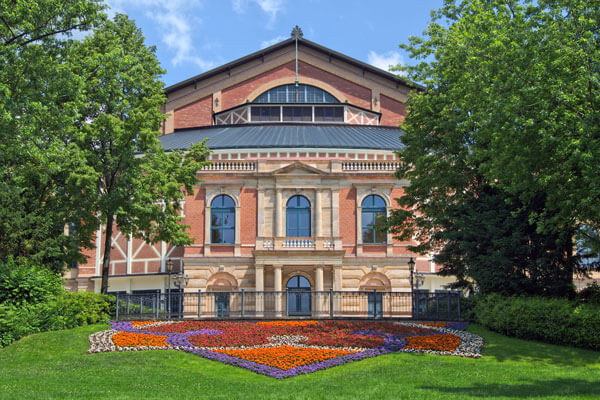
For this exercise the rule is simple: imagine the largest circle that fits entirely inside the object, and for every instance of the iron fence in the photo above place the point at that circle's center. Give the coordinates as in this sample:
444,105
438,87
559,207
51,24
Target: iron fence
288,304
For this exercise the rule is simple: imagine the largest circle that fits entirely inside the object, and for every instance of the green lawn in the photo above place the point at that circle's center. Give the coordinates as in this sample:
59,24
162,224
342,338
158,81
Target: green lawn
54,365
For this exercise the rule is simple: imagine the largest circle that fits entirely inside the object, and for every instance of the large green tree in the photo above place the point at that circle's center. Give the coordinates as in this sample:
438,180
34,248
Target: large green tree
511,102
132,183
39,109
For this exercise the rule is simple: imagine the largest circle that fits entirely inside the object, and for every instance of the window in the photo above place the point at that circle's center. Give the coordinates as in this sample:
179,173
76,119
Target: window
329,114
222,220
295,94
265,113
298,296
298,217
373,214
297,114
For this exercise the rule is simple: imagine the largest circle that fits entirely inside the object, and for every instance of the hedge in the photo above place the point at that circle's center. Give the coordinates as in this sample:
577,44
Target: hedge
557,321
65,311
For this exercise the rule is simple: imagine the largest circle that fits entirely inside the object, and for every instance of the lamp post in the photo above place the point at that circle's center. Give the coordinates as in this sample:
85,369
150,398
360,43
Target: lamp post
169,271
181,281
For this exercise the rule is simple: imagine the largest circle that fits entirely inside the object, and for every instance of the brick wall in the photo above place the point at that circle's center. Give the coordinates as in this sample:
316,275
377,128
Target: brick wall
198,113
194,215
392,111
238,94
348,218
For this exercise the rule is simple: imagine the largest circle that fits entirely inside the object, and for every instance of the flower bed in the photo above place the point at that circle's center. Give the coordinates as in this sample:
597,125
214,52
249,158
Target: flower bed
287,348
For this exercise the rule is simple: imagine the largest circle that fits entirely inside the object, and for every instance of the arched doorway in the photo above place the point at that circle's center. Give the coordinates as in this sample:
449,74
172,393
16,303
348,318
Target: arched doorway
298,296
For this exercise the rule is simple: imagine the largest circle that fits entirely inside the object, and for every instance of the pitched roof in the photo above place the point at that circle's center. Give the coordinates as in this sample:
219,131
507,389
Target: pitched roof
277,46
254,136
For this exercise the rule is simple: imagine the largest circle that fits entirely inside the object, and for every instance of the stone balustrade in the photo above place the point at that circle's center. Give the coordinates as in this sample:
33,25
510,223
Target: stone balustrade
299,243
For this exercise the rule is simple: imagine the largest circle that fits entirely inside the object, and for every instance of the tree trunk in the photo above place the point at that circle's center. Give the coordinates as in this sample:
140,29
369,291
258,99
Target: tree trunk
107,248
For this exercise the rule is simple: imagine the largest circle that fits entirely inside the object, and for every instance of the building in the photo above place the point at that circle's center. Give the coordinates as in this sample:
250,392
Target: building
303,158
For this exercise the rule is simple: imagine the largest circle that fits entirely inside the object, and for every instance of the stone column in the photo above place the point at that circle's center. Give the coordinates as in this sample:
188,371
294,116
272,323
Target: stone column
259,287
237,242
337,286
207,217
318,222
278,217
278,288
320,296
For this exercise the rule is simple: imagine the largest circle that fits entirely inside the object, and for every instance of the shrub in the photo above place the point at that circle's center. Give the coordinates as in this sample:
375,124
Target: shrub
25,283
590,294
557,321
65,311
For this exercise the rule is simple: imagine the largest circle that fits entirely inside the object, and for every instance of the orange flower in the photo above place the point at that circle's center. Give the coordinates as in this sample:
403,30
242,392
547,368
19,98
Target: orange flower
285,357
127,339
138,323
443,342
288,323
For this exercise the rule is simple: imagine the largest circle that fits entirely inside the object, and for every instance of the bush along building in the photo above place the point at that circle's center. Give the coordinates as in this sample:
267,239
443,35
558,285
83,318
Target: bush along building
285,217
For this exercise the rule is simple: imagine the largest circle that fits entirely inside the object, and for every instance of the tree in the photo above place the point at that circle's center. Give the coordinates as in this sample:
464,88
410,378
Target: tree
488,240
39,102
132,184
510,103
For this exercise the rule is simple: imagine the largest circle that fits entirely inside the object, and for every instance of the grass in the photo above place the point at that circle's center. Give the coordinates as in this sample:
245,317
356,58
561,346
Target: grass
54,365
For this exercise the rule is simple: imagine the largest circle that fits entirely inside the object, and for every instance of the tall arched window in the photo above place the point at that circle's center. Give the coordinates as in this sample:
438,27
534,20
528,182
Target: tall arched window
373,213
298,217
222,220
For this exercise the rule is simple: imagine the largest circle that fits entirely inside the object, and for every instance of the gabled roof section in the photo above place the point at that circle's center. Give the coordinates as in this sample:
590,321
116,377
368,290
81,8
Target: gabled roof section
287,42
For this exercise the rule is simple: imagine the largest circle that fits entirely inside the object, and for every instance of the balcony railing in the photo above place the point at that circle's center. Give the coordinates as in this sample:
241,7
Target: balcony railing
298,243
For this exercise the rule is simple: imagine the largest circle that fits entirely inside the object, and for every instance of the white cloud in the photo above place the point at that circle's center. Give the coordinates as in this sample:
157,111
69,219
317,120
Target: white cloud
269,7
174,19
385,60
267,43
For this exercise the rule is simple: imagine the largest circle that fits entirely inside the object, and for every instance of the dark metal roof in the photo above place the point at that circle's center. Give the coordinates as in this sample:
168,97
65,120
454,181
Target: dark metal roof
286,136
277,46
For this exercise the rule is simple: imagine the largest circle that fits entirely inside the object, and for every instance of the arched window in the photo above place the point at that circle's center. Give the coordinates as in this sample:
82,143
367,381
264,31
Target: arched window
296,94
298,282
298,217
222,220
373,213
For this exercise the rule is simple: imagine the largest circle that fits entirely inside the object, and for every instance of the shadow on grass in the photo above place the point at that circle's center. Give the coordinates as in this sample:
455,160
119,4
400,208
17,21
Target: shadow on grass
503,348
555,388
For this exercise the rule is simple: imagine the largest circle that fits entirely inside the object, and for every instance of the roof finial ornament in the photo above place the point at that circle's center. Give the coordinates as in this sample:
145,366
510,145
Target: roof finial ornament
297,33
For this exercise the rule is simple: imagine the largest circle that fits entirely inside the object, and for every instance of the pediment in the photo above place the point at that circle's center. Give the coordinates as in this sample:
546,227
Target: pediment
298,168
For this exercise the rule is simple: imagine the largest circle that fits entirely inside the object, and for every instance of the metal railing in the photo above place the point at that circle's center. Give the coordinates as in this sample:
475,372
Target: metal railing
288,304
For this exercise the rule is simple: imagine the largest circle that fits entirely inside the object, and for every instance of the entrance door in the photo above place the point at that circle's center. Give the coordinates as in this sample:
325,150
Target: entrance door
221,305
298,296
375,305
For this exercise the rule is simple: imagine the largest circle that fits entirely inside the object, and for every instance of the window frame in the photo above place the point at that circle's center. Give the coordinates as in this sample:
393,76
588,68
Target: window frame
295,212
375,212
222,210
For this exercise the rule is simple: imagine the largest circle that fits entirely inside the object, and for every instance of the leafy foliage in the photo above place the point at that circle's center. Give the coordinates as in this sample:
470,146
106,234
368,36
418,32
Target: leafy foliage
132,183
26,283
507,125
557,321
39,107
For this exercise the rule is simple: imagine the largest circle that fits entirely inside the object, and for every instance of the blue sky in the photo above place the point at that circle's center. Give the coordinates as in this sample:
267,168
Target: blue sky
193,36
